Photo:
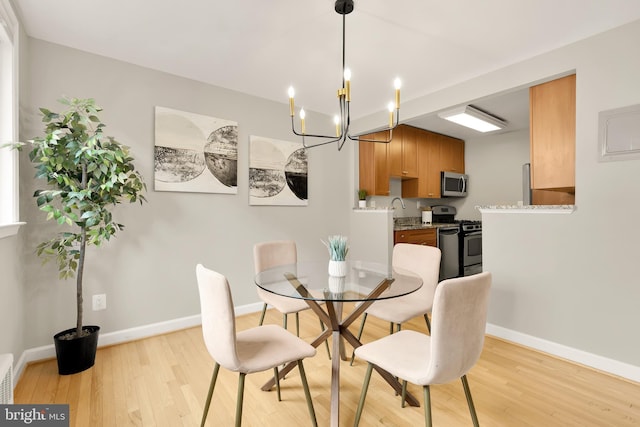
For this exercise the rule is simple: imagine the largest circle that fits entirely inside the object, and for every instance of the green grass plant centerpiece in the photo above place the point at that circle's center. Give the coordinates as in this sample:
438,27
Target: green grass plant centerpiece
337,246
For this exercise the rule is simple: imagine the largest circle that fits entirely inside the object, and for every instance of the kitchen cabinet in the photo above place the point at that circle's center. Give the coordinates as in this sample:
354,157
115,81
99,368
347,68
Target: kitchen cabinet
427,236
374,165
451,154
436,153
552,110
428,185
403,152
415,155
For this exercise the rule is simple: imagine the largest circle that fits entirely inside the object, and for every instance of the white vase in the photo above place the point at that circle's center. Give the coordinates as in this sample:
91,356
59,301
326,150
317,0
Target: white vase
362,204
337,268
336,284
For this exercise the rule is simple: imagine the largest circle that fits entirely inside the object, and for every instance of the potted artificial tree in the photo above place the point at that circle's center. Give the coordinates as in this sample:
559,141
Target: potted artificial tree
87,173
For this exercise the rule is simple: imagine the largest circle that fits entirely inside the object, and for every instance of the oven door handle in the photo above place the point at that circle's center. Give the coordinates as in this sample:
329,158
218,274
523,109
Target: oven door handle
473,233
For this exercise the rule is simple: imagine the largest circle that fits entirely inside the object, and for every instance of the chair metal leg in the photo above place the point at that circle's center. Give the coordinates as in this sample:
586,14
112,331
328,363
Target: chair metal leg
307,394
211,387
426,319
472,408
297,324
391,328
264,311
277,378
326,342
364,319
284,321
398,327
363,394
240,399
427,406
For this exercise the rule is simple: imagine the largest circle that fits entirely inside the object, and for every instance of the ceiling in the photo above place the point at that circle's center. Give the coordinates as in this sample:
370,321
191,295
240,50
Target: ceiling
262,47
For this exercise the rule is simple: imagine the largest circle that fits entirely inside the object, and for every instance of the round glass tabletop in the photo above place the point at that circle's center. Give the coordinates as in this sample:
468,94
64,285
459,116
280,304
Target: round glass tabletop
311,280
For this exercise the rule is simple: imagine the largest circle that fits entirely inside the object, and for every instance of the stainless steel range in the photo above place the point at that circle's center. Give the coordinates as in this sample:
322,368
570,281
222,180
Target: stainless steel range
460,242
470,247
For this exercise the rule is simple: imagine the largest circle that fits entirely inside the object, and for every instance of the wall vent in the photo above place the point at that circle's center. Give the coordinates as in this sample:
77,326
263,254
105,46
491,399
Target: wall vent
6,378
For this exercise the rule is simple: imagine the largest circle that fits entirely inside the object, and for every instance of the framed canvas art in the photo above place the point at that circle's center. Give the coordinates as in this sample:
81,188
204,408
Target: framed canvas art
195,153
278,172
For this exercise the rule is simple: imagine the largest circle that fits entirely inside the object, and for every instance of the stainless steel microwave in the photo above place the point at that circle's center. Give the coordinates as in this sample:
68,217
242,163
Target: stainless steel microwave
454,184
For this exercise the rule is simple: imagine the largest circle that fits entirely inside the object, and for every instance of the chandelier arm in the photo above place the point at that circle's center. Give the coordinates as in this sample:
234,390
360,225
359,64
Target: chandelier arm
305,145
390,129
295,132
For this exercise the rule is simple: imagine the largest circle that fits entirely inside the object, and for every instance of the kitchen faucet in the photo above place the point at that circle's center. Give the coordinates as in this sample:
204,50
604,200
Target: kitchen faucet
401,202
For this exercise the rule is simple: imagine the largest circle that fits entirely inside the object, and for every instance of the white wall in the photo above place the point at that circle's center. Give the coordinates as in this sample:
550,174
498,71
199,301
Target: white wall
12,297
494,165
147,272
569,280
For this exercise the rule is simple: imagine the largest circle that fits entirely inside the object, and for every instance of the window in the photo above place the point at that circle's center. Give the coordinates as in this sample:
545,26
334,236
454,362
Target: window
8,120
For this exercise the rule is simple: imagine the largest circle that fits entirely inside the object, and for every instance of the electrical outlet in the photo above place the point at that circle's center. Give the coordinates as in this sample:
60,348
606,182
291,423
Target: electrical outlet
99,302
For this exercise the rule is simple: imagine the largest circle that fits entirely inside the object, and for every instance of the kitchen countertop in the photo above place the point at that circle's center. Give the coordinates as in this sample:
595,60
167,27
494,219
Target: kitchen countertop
415,223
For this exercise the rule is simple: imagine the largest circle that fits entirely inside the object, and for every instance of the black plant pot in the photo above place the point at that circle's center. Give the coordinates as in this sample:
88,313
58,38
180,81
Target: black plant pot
77,354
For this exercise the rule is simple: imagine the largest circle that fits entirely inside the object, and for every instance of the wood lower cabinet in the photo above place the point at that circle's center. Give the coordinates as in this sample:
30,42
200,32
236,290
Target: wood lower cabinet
427,236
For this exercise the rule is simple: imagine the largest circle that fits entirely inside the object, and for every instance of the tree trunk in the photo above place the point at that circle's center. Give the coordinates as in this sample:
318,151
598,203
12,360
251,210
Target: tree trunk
80,271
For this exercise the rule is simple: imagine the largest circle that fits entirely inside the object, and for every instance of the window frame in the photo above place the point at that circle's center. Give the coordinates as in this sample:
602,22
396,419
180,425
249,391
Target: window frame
9,184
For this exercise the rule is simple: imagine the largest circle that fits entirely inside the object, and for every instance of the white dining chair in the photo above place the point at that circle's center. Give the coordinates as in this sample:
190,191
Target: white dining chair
457,336
253,350
273,254
425,262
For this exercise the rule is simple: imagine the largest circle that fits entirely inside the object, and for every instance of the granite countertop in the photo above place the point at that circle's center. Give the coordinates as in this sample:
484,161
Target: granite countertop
414,223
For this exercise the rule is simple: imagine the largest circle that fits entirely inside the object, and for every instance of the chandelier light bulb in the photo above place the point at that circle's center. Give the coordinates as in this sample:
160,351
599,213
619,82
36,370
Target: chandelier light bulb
291,106
347,74
397,84
302,114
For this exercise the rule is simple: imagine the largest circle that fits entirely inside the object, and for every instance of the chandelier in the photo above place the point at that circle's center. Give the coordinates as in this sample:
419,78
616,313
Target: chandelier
343,120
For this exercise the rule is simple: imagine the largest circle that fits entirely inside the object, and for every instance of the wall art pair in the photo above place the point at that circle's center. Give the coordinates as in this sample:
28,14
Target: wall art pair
197,153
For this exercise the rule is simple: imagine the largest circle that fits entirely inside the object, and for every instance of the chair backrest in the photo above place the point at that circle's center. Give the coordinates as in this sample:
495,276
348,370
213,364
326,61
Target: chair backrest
218,317
425,262
458,324
272,254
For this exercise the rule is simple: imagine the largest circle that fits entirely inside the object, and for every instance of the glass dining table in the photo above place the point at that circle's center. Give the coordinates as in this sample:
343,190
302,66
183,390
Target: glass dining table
363,284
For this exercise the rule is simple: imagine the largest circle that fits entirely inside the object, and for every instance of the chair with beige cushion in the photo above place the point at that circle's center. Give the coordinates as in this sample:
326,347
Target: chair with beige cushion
254,350
425,262
273,254
457,336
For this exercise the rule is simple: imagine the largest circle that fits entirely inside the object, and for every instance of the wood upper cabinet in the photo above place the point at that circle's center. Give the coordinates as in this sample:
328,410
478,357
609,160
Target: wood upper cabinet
374,165
552,110
416,156
403,152
428,166
451,154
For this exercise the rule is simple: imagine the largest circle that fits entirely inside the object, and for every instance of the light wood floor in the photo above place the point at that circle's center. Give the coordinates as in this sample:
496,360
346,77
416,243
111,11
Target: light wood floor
163,381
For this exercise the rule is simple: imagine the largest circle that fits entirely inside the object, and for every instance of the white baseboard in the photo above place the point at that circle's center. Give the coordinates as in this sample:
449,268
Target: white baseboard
125,335
601,363
598,362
